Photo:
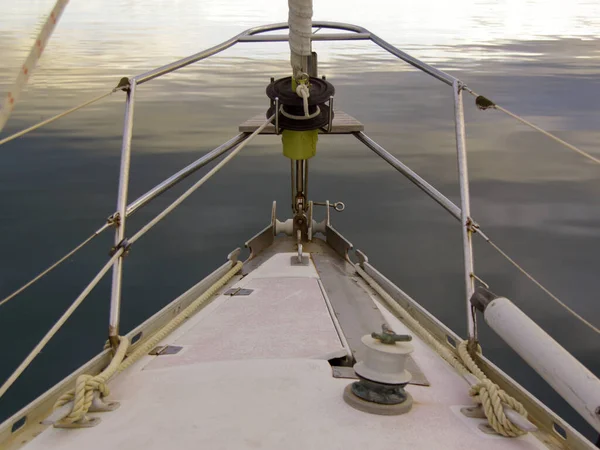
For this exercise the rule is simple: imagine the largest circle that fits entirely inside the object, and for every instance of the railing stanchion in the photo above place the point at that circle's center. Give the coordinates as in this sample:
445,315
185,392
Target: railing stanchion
115,297
465,204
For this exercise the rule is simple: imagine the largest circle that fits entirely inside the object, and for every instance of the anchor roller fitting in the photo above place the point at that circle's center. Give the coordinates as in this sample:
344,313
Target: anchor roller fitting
382,375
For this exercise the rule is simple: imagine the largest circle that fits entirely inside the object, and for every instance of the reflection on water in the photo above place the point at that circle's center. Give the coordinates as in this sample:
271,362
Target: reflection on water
534,198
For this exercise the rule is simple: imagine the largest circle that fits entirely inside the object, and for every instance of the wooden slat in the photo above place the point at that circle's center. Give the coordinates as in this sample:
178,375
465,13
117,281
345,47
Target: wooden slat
342,124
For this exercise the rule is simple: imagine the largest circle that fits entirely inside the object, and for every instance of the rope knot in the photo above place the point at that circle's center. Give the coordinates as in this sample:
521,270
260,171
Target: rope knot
303,91
86,387
489,395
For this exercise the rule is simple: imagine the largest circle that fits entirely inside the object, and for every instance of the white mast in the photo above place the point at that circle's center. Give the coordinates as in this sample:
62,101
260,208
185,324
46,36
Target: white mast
300,22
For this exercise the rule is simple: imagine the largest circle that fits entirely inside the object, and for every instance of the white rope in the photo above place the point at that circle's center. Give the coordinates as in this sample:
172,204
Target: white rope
484,391
59,323
303,91
199,183
35,53
58,116
300,23
295,117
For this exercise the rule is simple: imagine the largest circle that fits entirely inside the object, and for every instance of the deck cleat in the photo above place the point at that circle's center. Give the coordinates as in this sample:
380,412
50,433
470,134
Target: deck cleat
382,376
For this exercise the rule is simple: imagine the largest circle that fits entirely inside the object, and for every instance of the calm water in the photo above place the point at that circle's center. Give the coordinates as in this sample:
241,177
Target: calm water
538,201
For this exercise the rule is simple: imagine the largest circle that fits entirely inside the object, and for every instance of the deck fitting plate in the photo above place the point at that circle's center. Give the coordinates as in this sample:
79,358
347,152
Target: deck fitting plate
238,291
344,372
165,350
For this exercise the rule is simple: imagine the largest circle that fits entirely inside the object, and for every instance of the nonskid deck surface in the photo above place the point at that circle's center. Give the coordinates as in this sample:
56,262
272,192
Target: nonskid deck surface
253,373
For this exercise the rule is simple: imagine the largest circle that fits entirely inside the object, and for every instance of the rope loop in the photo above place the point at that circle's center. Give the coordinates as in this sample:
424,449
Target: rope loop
87,385
489,395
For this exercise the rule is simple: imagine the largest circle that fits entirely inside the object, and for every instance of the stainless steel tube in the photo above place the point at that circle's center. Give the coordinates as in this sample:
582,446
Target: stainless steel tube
440,198
163,70
115,298
185,172
465,202
147,76
305,163
314,37
251,35
436,73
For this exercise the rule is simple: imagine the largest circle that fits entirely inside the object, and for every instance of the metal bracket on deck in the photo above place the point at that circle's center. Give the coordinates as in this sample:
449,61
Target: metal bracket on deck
238,291
98,405
338,242
165,350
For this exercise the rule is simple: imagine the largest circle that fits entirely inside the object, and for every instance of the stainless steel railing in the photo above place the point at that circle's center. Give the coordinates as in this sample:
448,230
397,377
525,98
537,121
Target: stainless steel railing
256,34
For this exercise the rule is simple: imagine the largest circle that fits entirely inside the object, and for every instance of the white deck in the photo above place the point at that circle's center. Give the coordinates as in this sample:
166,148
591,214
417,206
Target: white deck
252,374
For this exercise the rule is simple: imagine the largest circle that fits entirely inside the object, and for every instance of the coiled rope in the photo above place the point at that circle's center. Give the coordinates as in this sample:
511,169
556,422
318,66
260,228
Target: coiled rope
484,392
86,386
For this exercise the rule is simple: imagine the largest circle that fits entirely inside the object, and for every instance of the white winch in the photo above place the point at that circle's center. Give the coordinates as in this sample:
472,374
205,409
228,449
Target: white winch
382,375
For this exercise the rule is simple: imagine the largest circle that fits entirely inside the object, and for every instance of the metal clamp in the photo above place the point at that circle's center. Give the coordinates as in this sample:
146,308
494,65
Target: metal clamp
124,85
124,244
114,220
